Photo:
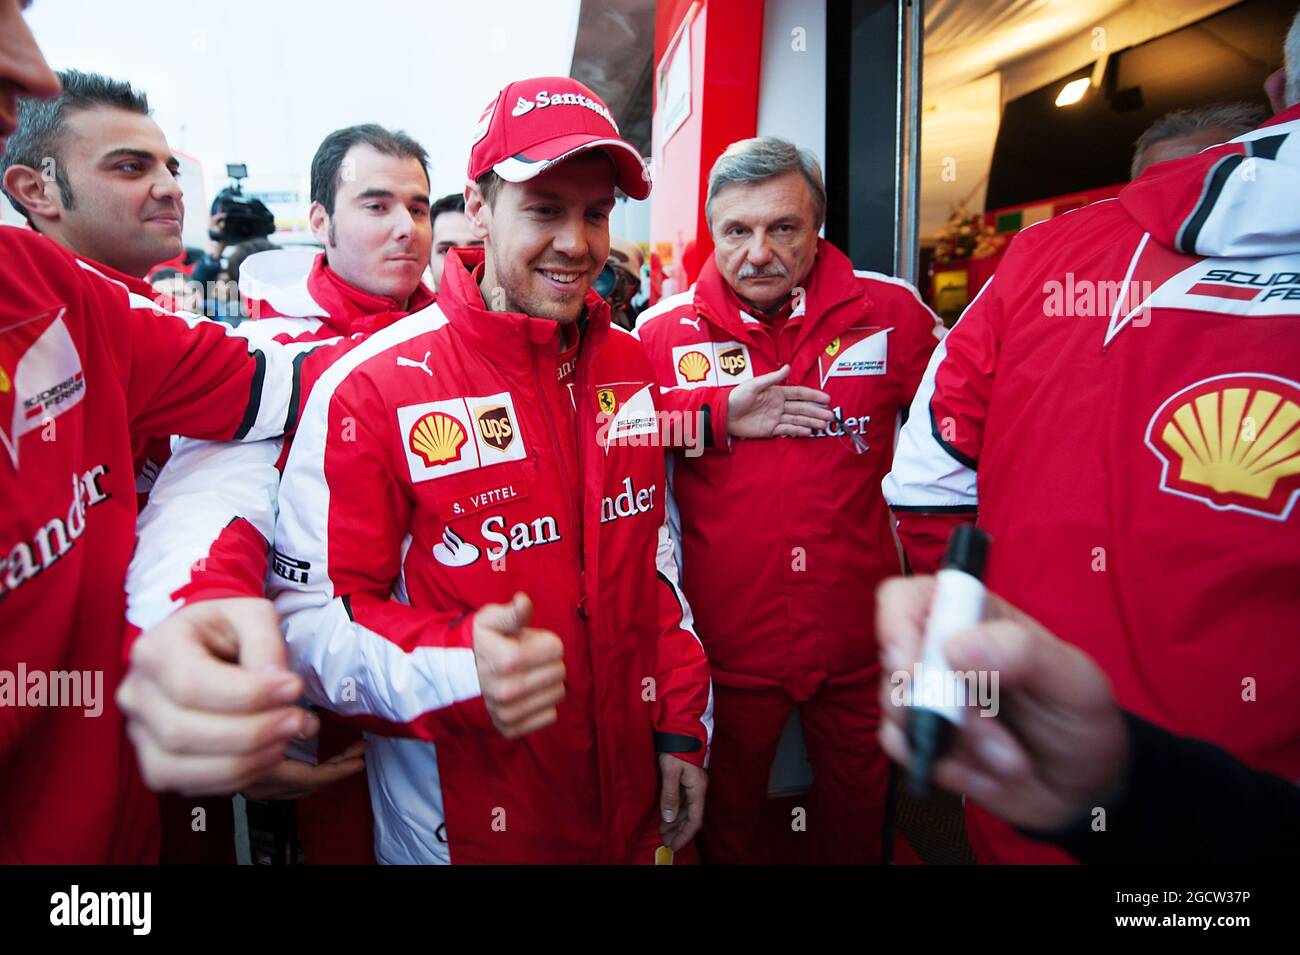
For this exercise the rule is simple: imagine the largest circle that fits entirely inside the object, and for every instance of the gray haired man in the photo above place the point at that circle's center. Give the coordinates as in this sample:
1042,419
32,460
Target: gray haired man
1185,132
784,540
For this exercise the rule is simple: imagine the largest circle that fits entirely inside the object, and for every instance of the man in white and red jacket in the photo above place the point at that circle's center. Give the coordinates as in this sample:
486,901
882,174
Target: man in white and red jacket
374,224
366,222
783,540
1125,391
504,440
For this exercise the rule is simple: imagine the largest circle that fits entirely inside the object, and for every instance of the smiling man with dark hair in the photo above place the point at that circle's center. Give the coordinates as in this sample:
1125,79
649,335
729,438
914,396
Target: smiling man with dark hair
92,170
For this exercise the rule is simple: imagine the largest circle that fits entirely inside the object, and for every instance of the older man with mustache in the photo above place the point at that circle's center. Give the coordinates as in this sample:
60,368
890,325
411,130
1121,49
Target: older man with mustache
783,539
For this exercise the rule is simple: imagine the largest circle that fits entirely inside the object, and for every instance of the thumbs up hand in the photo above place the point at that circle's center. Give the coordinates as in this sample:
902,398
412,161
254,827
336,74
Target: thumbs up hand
520,668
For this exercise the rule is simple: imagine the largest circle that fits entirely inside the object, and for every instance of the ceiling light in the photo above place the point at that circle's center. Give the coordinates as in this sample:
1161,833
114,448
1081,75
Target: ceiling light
1072,92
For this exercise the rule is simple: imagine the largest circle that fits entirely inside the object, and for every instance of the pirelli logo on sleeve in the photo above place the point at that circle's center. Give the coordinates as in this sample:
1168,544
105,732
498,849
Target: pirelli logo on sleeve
447,437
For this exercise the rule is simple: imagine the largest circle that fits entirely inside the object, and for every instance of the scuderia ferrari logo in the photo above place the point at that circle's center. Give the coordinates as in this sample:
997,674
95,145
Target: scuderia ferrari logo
607,401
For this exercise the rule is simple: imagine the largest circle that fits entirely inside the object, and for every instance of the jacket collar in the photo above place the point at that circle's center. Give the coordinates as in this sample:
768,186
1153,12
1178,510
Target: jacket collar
348,309
508,338
830,284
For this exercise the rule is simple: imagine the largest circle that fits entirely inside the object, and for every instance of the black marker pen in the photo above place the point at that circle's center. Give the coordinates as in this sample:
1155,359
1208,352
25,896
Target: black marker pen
939,702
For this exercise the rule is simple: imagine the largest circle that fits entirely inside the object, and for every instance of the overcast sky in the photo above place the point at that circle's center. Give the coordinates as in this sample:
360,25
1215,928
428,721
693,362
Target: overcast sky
262,81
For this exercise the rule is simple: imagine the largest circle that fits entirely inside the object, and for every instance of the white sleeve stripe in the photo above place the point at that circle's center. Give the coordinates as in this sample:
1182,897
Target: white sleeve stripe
924,475
356,672
203,487
274,384
325,645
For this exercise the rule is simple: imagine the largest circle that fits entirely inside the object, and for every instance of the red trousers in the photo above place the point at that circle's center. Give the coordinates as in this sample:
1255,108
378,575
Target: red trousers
844,815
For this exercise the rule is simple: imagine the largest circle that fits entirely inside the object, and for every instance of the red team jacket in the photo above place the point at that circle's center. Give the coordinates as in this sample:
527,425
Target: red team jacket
449,460
1127,388
783,540
218,503
84,365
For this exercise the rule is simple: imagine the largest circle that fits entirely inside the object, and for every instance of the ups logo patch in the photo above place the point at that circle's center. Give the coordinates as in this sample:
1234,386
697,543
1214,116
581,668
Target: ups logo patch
495,426
733,361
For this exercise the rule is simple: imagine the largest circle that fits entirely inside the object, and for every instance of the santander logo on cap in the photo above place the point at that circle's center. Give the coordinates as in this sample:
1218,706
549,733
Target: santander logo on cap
534,124
544,98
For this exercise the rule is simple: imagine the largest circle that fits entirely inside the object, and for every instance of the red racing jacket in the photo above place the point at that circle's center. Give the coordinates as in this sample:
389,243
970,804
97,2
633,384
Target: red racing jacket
85,365
447,461
216,503
1126,390
783,540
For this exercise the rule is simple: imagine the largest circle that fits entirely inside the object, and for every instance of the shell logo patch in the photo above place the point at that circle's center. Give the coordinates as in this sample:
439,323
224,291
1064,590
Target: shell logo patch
712,364
437,438
1232,442
693,366
447,437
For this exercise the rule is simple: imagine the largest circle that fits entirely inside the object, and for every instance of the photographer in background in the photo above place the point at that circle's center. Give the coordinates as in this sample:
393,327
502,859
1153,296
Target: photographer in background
620,280
223,301
234,218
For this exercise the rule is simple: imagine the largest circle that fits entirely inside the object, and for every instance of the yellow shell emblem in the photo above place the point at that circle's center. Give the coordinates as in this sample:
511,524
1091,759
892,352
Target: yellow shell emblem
5,384
694,366
1234,445
438,438
833,348
608,403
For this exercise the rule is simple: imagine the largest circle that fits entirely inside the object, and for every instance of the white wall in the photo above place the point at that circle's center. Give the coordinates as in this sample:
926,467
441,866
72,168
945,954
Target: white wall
792,79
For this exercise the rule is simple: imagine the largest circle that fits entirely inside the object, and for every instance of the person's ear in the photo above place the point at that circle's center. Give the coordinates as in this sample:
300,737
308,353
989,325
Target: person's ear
319,220
477,211
28,186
